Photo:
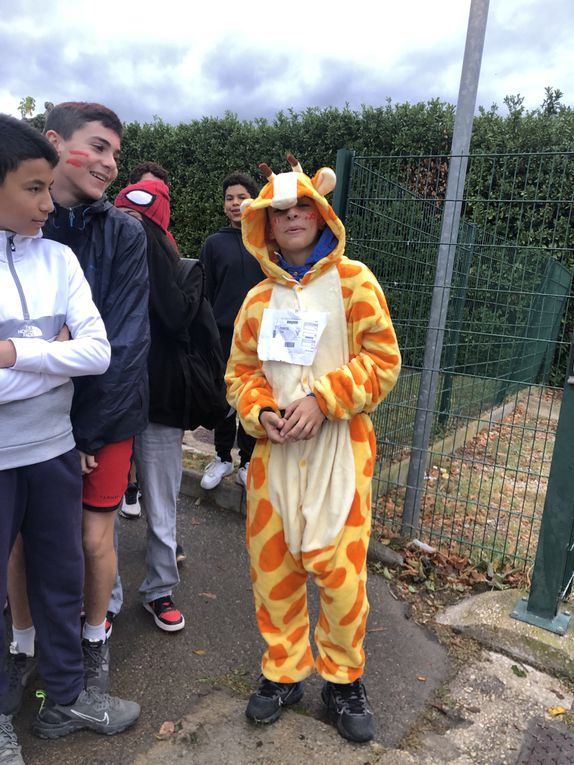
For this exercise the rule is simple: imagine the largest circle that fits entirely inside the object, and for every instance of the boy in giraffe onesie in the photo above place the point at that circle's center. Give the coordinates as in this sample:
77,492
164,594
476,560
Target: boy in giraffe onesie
314,350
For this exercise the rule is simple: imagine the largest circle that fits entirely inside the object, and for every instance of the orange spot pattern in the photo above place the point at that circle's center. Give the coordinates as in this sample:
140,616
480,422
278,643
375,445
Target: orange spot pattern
355,517
262,516
356,609
334,579
258,473
264,621
287,586
273,553
357,554
295,609
297,634
358,430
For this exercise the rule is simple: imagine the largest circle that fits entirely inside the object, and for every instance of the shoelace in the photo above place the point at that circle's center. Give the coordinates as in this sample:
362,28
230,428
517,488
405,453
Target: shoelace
99,700
268,689
92,655
165,604
16,669
353,697
8,736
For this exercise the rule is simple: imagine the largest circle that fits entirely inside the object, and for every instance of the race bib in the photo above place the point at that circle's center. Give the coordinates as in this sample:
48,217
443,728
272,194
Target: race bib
290,336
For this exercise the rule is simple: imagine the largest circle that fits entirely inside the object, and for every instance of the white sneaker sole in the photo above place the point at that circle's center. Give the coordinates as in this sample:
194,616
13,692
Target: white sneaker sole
208,483
162,625
126,511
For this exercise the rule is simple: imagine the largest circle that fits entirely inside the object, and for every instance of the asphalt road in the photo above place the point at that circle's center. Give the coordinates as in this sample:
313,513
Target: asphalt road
220,647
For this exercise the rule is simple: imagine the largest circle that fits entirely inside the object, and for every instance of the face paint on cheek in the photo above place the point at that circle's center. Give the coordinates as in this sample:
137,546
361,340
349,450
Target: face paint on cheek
79,153
74,162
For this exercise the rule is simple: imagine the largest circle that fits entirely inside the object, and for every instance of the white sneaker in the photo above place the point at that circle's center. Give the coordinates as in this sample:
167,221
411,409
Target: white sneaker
10,752
131,507
241,477
214,472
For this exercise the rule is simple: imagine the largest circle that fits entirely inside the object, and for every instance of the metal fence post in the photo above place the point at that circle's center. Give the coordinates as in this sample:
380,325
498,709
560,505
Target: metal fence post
554,564
466,104
343,172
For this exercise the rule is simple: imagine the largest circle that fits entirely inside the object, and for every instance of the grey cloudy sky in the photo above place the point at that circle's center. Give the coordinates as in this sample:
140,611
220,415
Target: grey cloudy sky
182,60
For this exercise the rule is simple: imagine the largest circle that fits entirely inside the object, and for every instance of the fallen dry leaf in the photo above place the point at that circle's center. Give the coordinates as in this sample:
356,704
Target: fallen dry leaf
208,595
199,651
166,729
556,711
421,678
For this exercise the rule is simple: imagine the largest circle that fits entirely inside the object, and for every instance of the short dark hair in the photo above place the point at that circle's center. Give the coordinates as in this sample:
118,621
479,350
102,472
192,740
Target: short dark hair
240,179
148,167
19,141
70,116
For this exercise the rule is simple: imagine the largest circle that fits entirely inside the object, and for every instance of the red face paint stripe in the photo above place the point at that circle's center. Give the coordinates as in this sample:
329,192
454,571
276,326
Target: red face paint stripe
79,153
74,162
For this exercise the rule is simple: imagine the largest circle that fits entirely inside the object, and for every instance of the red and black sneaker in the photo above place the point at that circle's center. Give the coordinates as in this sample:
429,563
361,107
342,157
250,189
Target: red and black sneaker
110,616
165,614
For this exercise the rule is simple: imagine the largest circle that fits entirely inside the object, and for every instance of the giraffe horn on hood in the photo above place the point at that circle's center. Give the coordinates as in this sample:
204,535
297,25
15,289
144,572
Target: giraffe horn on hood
295,164
266,170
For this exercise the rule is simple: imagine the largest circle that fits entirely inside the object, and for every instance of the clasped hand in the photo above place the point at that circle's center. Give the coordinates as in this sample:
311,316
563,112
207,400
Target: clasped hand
301,421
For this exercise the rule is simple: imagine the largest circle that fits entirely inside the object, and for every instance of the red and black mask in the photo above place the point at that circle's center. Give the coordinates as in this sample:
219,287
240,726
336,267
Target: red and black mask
149,198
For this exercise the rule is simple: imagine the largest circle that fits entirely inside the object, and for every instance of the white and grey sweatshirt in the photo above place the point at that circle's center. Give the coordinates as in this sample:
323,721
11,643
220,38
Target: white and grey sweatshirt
42,287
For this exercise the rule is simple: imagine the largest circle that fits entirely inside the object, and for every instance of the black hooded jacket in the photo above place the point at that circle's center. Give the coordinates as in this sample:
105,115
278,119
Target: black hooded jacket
111,248
171,312
230,272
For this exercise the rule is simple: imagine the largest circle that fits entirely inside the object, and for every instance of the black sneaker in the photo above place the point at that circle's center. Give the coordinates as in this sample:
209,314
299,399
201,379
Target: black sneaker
92,709
10,753
348,708
20,669
265,705
96,664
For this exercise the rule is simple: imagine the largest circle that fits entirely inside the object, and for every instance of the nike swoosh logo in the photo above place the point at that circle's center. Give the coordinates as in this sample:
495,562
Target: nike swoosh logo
105,719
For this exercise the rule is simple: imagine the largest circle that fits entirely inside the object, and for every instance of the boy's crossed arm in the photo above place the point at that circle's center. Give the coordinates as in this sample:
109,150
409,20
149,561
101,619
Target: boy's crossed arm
7,354
8,350
15,385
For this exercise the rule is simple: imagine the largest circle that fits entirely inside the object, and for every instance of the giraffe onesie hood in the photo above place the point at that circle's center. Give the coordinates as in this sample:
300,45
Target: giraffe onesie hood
309,501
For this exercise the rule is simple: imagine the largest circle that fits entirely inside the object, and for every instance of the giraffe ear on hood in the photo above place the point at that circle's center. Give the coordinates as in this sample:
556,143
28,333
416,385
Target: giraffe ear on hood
245,204
324,181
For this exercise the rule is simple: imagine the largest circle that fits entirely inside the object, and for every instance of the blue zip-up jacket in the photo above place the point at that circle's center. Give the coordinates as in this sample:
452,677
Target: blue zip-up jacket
111,249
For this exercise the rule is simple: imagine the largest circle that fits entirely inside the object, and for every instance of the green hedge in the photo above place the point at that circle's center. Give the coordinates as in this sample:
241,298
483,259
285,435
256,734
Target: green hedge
200,153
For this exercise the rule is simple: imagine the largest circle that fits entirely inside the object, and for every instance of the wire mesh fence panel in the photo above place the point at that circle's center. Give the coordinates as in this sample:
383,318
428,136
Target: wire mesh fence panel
506,340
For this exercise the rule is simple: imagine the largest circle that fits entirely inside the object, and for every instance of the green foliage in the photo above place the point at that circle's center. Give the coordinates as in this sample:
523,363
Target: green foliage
27,106
200,153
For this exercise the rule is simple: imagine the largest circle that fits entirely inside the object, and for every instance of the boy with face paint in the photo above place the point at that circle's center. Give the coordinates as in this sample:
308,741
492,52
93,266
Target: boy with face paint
230,273
313,352
50,331
109,410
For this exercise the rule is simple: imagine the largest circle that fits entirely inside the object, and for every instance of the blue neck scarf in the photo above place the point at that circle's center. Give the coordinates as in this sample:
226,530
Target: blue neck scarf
325,244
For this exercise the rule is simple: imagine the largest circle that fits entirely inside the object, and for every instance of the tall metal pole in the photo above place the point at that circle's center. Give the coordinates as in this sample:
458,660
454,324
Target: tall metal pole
465,107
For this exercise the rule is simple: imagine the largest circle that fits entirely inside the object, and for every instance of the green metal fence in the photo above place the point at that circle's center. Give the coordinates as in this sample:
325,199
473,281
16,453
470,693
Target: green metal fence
507,338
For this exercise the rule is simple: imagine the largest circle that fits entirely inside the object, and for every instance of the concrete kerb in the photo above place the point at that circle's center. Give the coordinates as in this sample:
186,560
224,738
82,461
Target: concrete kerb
487,618
230,496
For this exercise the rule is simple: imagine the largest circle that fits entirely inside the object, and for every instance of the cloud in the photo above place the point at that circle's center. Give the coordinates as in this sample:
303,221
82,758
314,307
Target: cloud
156,63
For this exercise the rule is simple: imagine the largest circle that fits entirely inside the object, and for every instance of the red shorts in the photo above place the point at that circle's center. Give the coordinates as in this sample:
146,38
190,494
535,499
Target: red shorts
106,485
